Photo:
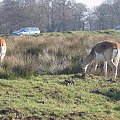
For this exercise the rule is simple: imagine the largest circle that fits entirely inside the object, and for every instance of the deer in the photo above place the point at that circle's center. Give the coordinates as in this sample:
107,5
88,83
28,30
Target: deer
2,50
106,51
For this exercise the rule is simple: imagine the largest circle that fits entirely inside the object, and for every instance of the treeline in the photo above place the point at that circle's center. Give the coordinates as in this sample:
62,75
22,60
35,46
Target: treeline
57,15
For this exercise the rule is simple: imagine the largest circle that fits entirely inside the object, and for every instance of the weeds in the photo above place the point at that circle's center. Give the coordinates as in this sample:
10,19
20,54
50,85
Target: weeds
49,54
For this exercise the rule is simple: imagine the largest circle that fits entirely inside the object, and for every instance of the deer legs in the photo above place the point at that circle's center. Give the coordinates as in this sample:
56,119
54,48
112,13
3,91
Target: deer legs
111,63
114,66
105,68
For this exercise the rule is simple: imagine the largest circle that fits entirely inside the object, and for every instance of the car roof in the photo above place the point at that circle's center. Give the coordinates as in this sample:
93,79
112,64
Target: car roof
118,27
31,27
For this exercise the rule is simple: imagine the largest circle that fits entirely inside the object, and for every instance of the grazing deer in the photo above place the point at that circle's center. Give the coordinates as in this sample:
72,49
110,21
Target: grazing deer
108,52
2,49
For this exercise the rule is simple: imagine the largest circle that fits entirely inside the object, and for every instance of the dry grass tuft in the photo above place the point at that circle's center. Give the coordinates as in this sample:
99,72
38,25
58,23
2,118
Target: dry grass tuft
48,54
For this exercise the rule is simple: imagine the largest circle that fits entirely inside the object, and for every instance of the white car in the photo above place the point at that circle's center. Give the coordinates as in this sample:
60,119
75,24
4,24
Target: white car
27,31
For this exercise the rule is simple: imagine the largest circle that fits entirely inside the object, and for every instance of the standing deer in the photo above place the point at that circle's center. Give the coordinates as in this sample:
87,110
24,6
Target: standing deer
2,49
108,52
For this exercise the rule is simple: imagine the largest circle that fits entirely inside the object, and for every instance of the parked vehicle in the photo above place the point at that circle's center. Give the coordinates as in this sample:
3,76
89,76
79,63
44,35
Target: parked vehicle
117,28
27,31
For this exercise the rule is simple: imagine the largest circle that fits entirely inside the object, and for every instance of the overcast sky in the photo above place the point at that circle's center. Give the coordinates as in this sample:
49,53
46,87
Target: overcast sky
91,3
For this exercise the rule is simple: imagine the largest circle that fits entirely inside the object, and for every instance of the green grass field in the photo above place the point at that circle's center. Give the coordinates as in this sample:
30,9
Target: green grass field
48,98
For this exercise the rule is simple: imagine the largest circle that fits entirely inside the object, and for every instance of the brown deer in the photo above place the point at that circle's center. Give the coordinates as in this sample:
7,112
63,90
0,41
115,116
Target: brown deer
106,51
2,49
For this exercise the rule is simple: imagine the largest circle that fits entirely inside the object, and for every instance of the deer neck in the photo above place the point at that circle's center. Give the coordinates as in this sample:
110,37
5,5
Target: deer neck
88,60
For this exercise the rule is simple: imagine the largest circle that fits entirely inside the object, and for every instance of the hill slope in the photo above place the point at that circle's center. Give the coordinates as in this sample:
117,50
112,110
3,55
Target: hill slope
51,53
47,97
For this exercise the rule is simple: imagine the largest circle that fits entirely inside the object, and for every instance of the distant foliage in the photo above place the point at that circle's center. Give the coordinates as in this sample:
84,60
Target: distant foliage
57,15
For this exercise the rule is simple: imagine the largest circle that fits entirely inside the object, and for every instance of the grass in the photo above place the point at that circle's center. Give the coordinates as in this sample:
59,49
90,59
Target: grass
82,33
50,53
31,87
45,97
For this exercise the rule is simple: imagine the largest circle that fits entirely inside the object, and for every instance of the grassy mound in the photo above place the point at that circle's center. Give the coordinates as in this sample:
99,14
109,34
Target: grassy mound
49,97
51,53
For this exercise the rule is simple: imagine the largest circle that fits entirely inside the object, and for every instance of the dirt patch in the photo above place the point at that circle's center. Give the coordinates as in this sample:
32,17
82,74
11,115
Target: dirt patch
14,114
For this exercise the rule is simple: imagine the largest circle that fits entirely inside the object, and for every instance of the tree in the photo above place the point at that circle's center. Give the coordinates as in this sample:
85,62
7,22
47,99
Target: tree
105,17
57,15
79,11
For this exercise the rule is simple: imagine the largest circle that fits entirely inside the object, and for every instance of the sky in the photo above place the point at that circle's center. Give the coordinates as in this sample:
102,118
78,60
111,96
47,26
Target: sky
91,3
